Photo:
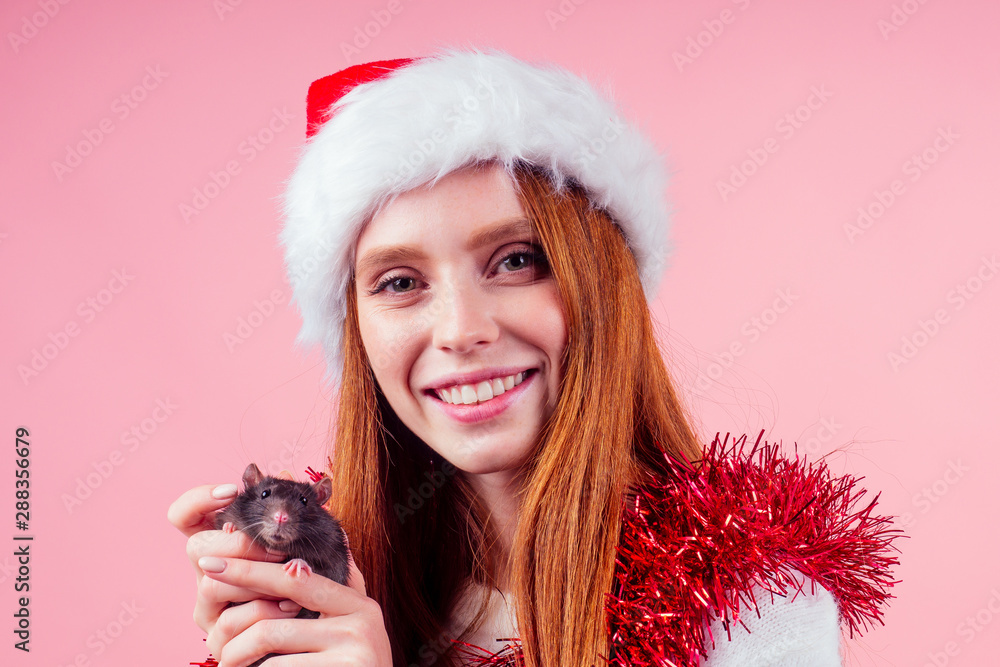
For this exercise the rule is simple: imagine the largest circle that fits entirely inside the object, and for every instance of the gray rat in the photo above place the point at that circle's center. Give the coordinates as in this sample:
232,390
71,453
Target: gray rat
288,517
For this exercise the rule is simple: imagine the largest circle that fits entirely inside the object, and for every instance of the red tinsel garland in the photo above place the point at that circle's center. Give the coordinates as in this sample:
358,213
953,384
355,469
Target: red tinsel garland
508,656
696,542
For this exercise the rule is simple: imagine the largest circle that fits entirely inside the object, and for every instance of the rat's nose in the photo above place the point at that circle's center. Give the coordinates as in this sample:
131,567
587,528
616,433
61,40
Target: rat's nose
280,517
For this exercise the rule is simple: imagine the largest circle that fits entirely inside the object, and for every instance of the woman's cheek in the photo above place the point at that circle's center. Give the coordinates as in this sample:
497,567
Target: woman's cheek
377,334
391,340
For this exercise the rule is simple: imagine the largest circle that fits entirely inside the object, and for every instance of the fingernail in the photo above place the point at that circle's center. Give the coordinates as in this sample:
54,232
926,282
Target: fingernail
223,491
288,605
211,564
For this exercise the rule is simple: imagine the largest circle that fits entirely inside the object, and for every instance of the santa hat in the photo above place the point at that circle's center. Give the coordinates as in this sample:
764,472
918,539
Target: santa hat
382,128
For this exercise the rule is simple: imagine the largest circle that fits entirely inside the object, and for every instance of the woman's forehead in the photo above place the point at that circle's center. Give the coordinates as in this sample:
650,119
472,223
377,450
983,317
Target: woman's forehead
466,207
473,185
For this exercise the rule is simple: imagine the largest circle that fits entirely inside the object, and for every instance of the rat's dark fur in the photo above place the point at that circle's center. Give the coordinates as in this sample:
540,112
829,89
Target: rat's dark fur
309,534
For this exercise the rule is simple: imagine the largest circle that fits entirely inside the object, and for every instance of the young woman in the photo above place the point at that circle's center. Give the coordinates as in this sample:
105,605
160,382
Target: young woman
473,239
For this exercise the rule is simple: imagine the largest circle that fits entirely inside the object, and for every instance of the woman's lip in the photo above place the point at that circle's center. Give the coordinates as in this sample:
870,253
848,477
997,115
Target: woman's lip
477,412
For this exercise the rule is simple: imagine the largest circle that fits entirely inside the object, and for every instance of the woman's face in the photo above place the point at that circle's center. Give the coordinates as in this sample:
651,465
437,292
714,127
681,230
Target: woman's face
456,305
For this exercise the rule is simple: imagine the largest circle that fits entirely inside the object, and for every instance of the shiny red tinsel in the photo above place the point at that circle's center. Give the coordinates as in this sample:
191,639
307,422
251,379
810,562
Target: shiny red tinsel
695,543
508,656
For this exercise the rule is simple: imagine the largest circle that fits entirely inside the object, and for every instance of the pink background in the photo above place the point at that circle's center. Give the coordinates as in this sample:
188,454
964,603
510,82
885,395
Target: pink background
921,431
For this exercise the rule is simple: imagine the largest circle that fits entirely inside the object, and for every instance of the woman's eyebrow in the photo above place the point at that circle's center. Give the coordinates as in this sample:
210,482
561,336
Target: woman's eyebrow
376,257
501,230
507,228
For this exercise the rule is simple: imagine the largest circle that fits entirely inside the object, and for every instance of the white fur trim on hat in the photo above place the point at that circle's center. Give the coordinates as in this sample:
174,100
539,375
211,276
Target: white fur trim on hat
438,114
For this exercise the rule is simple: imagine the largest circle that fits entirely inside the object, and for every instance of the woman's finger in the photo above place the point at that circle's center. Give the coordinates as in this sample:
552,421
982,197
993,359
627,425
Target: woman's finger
213,599
206,613
238,618
284,636
309,660
219,592
308,589
214,596
355,580
194,510
228,545
327,642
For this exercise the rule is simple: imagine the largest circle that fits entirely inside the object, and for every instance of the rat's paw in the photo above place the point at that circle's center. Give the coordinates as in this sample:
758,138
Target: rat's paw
298,568
229,527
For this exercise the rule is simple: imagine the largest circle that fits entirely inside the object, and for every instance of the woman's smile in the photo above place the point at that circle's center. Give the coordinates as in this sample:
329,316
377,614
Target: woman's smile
469,404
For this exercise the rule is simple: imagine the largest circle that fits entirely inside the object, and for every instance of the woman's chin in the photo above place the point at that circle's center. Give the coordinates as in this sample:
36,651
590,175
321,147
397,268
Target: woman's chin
487,460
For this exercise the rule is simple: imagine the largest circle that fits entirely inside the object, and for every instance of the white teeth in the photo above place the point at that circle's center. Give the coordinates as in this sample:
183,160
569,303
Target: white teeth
467,394
483,391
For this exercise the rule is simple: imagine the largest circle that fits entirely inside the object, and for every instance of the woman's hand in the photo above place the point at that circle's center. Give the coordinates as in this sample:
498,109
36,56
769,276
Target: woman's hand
349,631
194,515
350,628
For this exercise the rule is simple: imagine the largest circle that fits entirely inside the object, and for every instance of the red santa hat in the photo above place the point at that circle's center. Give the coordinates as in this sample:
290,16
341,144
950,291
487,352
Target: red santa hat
382,128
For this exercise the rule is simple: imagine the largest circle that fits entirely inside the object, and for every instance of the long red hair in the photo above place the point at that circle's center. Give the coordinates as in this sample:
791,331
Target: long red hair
616,416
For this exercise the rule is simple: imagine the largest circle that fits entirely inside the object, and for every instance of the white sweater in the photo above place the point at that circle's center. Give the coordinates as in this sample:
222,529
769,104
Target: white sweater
800,630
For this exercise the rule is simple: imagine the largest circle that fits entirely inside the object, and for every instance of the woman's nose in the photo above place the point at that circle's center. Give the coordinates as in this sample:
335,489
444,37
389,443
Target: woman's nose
465,318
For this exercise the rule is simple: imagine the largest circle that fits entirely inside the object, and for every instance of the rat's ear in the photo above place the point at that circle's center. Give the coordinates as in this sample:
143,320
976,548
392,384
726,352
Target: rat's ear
323,489
251,476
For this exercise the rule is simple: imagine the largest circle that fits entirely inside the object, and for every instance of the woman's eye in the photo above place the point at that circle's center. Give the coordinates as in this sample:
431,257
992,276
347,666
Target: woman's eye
517,261
399,283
